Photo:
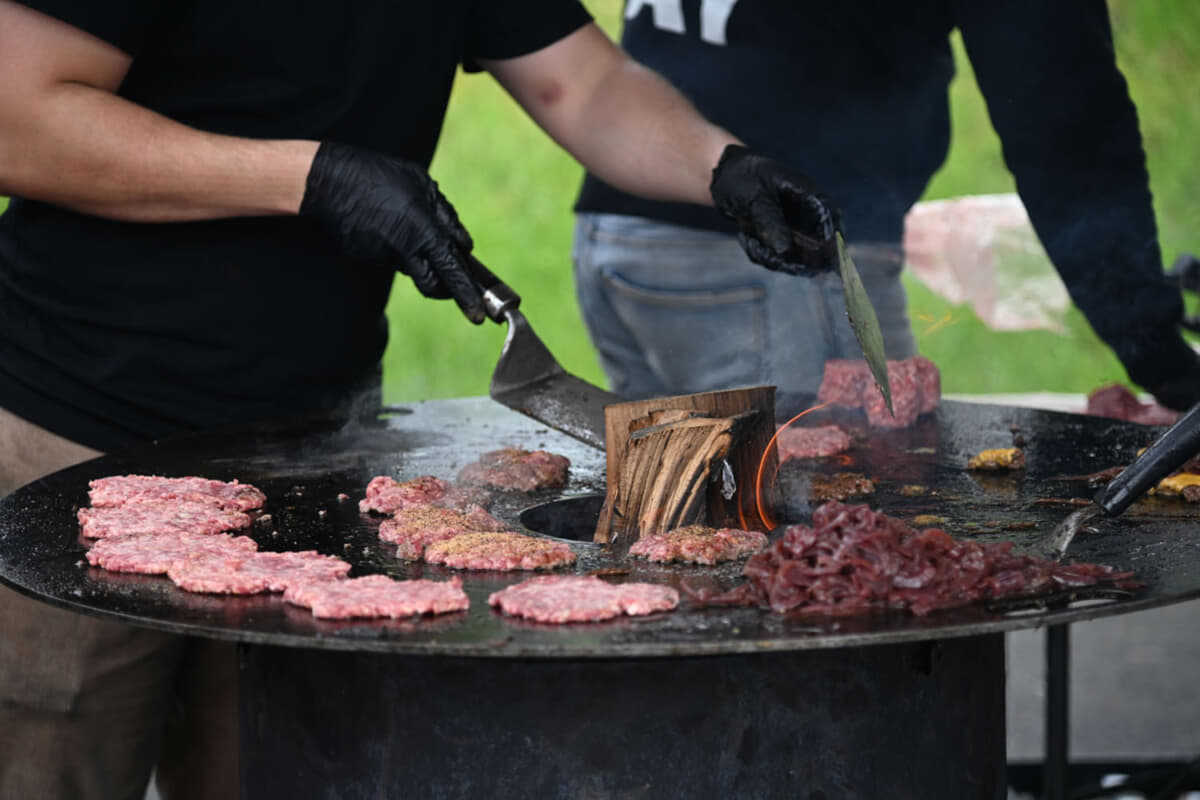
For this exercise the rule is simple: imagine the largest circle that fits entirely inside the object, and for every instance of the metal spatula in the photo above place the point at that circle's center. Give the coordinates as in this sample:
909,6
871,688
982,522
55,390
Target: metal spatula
1168,453
527,377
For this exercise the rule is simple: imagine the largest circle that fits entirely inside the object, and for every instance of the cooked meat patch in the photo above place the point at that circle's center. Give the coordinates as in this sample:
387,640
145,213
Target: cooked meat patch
581,598
800,442
117,490
159,517
514,469
499,551
155,553
839,486
699,544
1119,402
378,596
998,460
412,529
386,495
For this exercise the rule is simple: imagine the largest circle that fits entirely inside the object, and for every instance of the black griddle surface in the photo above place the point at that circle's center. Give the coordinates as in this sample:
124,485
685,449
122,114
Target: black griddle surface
303,469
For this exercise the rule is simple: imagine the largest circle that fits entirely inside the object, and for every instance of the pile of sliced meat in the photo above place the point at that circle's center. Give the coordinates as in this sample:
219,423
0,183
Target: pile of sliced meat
853,559
176,527
560,599
915,383
699,544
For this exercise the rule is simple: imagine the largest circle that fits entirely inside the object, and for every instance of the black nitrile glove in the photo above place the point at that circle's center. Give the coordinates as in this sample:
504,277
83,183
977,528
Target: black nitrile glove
1170,370
389,212
786,223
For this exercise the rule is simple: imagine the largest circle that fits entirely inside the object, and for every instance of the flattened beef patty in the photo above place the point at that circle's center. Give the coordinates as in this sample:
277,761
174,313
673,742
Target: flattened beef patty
412,529
799,442
378,596
154,553
386,495
252,573
159,517
581,598
699,544
499,551
118,490
514,469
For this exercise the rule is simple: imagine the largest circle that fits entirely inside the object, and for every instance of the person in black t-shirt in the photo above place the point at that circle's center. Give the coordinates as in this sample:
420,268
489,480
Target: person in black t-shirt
855,95
209,202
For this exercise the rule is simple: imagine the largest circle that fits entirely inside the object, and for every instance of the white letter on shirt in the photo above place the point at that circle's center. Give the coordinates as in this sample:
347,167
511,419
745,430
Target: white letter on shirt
714,14
667,14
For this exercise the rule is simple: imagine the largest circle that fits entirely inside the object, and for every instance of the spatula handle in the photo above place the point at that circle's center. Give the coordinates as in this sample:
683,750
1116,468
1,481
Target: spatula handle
498,297
1180,442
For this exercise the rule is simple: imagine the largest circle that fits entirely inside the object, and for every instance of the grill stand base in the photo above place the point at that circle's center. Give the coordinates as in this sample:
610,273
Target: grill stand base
920,720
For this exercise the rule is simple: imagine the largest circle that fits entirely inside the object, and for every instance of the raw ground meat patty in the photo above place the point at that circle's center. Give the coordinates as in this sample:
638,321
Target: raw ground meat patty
581,598
1116,401
499,551
915,385
825,440
514,469
378,596
386,495
154,553
121,489
699,544
159,517
251,573
411,529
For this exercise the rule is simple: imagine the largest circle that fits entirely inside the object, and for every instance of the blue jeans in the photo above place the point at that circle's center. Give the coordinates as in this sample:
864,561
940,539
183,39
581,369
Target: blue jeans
675,310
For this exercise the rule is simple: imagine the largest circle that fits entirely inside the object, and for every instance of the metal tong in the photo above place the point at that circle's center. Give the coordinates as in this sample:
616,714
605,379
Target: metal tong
1168,453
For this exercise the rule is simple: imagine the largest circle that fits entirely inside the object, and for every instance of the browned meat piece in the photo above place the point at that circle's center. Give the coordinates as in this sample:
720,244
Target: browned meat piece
514,469
118,490
840,486
998,459
499,551
801,442
378,596
159,517
906,398
929,383
412,529
154,553
699,544
581,598
386,495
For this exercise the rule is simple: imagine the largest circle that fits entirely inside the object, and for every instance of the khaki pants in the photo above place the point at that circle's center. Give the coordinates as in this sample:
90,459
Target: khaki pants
88,707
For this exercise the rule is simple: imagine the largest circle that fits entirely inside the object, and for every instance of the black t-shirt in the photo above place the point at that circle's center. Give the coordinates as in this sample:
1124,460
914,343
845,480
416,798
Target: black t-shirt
854,94
117,332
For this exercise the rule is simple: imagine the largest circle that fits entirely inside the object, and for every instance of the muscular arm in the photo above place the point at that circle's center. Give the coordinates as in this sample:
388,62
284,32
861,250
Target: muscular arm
623,122
67,138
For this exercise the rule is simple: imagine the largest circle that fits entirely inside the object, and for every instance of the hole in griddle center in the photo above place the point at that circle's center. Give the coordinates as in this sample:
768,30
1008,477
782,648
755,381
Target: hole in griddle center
572,518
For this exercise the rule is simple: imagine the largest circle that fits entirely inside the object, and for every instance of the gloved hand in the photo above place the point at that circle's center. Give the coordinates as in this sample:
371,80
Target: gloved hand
389,212
1169,370
771,204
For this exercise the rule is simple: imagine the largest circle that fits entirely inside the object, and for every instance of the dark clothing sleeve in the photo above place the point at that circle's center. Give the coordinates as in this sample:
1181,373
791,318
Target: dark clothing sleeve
516,28
1070,137
122,23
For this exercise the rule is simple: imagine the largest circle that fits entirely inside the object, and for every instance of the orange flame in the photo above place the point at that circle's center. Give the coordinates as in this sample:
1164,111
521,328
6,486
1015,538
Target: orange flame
762,465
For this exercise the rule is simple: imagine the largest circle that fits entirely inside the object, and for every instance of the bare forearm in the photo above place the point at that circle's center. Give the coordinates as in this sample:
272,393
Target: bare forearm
622,121
92,151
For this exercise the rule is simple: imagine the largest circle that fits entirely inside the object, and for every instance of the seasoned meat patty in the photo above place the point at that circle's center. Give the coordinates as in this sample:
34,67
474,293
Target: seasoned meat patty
118,490
581,598
699,544
378,596
386,495
412,529
154,553
499,551
251,573
159,517
514,469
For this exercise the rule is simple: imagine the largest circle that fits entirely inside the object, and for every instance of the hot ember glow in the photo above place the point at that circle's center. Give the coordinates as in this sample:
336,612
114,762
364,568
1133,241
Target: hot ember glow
763,512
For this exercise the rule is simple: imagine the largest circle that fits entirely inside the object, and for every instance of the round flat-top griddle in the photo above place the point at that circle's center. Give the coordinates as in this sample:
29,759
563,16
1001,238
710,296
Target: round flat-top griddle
315,474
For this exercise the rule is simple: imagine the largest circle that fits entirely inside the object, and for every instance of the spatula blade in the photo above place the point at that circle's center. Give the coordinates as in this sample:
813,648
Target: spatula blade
863,321
529,380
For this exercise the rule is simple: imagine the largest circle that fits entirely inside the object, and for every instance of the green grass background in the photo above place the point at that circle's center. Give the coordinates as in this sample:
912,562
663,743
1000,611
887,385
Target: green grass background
514,190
